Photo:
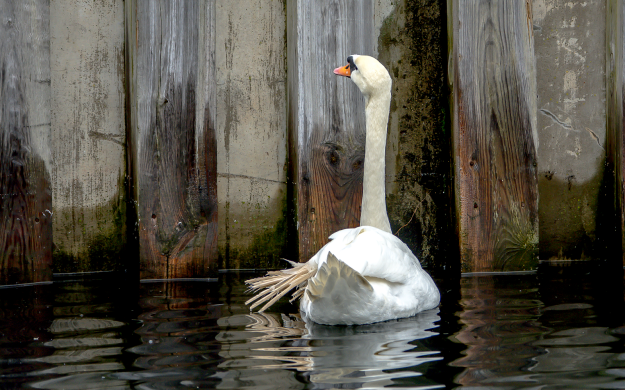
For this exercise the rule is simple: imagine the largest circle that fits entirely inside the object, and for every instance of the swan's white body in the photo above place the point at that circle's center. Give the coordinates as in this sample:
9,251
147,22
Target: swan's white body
366,274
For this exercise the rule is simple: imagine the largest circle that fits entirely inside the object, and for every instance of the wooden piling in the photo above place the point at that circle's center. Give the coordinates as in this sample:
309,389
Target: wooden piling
171,87
494,130
88,135
418,157
326,118
25,195
615,107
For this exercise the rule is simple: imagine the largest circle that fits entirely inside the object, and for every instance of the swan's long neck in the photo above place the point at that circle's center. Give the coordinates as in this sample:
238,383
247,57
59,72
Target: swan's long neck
373,193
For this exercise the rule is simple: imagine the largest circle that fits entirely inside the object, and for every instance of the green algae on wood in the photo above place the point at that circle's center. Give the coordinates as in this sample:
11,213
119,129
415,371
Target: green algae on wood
265,248
102,245
411,45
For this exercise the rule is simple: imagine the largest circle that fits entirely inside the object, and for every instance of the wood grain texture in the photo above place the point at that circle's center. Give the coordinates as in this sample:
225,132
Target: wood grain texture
615,108
25,197
172,136
88,134
494,135
326,116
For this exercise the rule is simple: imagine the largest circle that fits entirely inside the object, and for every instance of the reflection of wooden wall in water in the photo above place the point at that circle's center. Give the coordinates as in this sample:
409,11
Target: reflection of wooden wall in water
494,313
25,319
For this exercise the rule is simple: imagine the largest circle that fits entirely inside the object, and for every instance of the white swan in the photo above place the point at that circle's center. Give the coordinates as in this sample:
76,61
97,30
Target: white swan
366,274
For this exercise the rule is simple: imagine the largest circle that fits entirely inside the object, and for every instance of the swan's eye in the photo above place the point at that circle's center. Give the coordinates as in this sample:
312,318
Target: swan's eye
351,63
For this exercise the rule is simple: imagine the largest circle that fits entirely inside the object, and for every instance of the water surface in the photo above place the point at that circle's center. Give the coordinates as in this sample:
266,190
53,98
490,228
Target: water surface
563,327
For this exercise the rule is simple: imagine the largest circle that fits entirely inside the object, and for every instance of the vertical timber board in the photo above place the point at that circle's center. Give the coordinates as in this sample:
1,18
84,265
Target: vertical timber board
495,135
25,194
172,92
574,183
615,108
88,134
418,157
251,133
329,130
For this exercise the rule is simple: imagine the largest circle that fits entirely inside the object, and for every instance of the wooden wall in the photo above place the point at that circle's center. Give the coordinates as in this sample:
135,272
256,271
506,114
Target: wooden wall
197,135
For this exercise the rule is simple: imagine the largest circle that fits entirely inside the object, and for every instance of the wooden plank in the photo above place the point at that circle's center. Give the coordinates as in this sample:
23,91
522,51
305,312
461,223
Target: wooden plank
418,158
88,134
615,108
25,196
172,136
251,133
494,134
326,116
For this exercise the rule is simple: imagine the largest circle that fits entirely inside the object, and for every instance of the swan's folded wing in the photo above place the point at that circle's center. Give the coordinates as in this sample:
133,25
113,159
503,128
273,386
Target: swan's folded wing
337,282
374,253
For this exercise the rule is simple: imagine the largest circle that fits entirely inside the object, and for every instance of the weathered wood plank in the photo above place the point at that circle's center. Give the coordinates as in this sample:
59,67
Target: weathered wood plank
615,115
88,134
326,115
25,195
495,135
172,135
418,157
251,133
570,73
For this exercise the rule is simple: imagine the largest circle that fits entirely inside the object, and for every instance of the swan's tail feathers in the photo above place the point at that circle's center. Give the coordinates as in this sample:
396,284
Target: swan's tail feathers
276,284
335,278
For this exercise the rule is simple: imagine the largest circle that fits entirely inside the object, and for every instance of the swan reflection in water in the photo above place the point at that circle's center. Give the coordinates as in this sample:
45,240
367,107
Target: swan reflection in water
371,355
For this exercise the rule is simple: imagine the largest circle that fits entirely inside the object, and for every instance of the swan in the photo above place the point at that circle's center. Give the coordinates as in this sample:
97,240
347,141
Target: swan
365,274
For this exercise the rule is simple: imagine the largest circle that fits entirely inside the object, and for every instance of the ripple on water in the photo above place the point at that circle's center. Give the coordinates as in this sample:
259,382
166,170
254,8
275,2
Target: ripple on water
494,332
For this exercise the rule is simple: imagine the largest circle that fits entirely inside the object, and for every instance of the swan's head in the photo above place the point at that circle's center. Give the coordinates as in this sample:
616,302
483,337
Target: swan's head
367,73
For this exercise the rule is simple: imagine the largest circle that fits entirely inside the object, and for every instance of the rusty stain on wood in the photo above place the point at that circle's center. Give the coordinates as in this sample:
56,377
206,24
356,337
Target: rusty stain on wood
496,183
173,136
326,116
25,195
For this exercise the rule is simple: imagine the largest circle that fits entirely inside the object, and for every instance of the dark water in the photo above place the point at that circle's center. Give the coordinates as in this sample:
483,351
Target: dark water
561,328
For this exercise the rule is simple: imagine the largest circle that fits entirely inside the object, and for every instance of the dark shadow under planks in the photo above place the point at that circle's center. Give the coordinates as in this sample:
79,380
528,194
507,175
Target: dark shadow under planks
615,108
326,116
494,135
25,194
172,135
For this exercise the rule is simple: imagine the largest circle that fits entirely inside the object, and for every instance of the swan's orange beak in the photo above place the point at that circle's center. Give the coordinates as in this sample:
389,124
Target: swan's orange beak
343,71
